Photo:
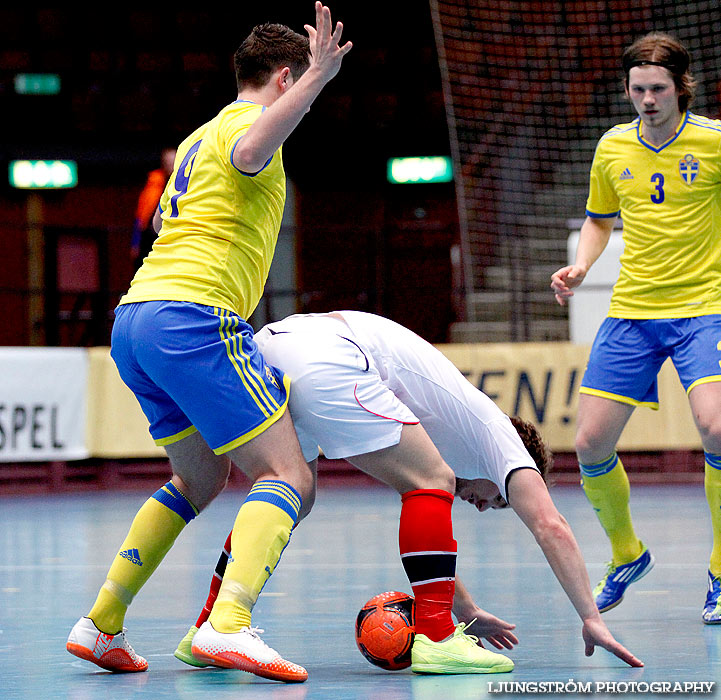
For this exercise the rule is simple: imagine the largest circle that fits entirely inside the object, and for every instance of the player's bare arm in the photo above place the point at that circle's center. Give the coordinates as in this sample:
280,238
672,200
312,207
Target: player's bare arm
529,497
595,234
287,101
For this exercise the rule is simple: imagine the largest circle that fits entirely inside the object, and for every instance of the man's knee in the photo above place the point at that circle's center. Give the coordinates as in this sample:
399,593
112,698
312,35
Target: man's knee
709,427
592,446
307,502
202,490
304,482
198,472
441,478
446,479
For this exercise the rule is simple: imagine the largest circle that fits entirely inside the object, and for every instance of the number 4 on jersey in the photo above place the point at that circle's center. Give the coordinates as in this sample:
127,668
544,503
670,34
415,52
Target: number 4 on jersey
182,177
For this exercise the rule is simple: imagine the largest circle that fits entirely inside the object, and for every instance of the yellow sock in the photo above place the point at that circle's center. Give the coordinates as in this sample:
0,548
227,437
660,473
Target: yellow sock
607,489
712,482
152,533
260,534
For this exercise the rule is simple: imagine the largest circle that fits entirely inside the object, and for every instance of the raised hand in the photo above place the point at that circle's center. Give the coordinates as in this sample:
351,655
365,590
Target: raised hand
325,49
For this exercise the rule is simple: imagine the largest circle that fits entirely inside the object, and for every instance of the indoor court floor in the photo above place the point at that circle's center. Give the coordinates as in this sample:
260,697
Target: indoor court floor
57,549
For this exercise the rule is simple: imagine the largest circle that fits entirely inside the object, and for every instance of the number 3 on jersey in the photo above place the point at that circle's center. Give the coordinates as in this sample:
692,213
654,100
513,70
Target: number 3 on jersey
659,195
182,178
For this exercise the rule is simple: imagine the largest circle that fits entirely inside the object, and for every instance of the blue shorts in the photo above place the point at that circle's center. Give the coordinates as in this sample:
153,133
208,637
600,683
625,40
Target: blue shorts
627,355
196,368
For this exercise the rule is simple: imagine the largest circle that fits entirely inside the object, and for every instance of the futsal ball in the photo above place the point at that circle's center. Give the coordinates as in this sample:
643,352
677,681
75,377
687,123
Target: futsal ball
384,630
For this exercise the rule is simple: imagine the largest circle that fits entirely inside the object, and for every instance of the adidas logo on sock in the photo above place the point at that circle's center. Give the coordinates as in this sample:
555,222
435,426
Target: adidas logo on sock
132,555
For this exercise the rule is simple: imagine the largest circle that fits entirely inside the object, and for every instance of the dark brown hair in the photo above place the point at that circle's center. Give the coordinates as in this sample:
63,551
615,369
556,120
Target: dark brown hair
266,49
659,49
531,438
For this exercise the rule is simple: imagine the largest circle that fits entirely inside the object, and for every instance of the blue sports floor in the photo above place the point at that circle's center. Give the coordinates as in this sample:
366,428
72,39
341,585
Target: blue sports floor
56,551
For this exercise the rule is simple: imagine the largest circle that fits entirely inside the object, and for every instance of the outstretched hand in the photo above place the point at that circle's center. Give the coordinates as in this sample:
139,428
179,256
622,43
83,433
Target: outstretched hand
326,53
595,633
496,631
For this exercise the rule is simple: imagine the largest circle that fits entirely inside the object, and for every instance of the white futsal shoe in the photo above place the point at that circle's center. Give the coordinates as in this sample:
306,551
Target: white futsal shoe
246,651
109,651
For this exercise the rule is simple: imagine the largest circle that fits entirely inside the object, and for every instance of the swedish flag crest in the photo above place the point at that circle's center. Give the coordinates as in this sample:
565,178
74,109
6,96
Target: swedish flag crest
688,167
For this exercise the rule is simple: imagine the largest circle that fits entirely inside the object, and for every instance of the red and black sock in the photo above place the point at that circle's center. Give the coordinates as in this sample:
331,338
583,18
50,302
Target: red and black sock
215,583
428,552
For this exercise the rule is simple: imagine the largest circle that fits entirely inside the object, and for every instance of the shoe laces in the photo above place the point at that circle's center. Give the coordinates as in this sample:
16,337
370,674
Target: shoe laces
610,570
127,646
461,632
255,632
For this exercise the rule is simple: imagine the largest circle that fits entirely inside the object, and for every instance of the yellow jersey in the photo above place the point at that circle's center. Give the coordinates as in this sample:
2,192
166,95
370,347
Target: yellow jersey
669,198
219,225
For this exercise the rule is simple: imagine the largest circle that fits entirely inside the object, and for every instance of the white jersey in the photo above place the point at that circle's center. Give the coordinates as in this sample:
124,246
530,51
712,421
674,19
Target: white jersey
356,378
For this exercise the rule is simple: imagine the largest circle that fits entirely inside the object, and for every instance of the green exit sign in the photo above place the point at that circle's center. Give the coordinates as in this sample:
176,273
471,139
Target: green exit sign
420,169
37,84
43,174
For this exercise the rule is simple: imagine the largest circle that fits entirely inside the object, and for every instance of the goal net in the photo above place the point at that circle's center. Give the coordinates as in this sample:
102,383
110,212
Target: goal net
529,89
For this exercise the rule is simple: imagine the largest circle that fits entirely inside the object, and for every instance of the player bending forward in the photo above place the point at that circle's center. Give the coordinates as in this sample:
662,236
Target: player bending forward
370,391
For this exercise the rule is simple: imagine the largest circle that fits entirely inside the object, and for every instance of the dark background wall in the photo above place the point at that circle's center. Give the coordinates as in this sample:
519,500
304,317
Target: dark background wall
135,80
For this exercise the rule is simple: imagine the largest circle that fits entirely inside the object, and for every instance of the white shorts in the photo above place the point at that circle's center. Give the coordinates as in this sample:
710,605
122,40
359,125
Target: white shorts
337,398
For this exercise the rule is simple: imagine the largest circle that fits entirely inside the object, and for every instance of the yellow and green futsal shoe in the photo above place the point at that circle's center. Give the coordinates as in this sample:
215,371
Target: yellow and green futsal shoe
183,652
459,654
